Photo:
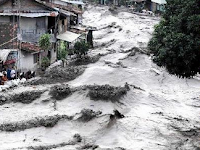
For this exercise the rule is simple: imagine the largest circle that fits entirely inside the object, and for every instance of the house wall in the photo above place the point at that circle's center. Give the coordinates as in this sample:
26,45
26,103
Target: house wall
26,62
4,19
159,1
53,55
25,5
153,7
33,28
157,7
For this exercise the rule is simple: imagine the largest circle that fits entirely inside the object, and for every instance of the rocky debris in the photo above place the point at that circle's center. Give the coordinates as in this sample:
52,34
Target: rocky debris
48,121
25,97
107,92
77,138
109,43
113,118
3,100
118,115
90,147
59,75
191,133
85,60
88,114
120,148
54,146
49,147
134,50
60,92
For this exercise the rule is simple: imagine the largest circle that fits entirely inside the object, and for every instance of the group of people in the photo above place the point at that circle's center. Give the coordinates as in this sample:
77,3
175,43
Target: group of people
11,74
3,77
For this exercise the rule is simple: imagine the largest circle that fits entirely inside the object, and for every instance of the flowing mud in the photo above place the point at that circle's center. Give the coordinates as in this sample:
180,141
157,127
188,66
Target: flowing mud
158,112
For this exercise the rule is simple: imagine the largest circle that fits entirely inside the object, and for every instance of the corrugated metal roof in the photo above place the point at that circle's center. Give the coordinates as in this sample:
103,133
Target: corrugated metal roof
67,13
31,15
74,2
68,36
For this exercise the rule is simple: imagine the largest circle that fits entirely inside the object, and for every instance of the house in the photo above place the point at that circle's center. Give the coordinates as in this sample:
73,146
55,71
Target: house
22,23
73,30
157,6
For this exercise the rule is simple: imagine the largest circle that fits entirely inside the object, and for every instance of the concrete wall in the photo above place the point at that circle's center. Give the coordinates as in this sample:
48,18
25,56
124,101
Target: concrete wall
157,7
35,25
153,7
159,1
33,28
5,19
25,5
27,24
53,55
26,62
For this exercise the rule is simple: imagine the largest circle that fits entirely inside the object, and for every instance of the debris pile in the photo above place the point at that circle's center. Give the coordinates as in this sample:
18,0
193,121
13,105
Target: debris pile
48,121
26,97
107,92
59,74
85,60
88,114
60,92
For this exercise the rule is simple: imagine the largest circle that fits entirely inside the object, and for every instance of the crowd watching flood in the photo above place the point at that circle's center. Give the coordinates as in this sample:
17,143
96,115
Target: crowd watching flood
12,74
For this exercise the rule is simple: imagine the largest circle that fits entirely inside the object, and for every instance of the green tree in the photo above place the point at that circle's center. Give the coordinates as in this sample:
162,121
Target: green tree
176,40
81,48
62,52
45,62
44,41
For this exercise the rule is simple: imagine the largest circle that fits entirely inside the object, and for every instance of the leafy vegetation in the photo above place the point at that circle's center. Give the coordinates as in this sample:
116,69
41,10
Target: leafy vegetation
176,40
45,62
81,48
62,52
44,41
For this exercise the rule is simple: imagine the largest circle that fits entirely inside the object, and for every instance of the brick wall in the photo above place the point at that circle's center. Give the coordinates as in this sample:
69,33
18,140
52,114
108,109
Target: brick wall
8,31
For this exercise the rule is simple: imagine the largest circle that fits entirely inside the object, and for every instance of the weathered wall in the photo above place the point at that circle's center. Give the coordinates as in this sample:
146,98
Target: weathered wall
153,7
25,5
8,31
4,19
33,28
27,61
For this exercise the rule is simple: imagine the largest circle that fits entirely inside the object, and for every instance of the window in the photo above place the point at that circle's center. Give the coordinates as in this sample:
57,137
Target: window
35,58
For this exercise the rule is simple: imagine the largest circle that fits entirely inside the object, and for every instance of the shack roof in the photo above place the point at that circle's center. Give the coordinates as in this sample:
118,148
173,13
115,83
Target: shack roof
74,2
66,8
30,14
68,36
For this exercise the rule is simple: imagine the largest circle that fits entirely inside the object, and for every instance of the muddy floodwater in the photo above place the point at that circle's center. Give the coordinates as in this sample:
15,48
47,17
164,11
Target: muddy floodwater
158,111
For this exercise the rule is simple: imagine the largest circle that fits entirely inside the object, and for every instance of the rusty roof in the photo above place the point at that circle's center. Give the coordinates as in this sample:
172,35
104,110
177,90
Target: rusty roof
67,8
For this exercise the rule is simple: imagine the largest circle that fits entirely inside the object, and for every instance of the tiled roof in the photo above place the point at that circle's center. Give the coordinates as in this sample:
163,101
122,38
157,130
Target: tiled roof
67,8
30,47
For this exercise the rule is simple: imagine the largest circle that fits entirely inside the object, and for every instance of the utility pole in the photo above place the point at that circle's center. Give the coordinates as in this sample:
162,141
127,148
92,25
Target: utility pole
20,36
